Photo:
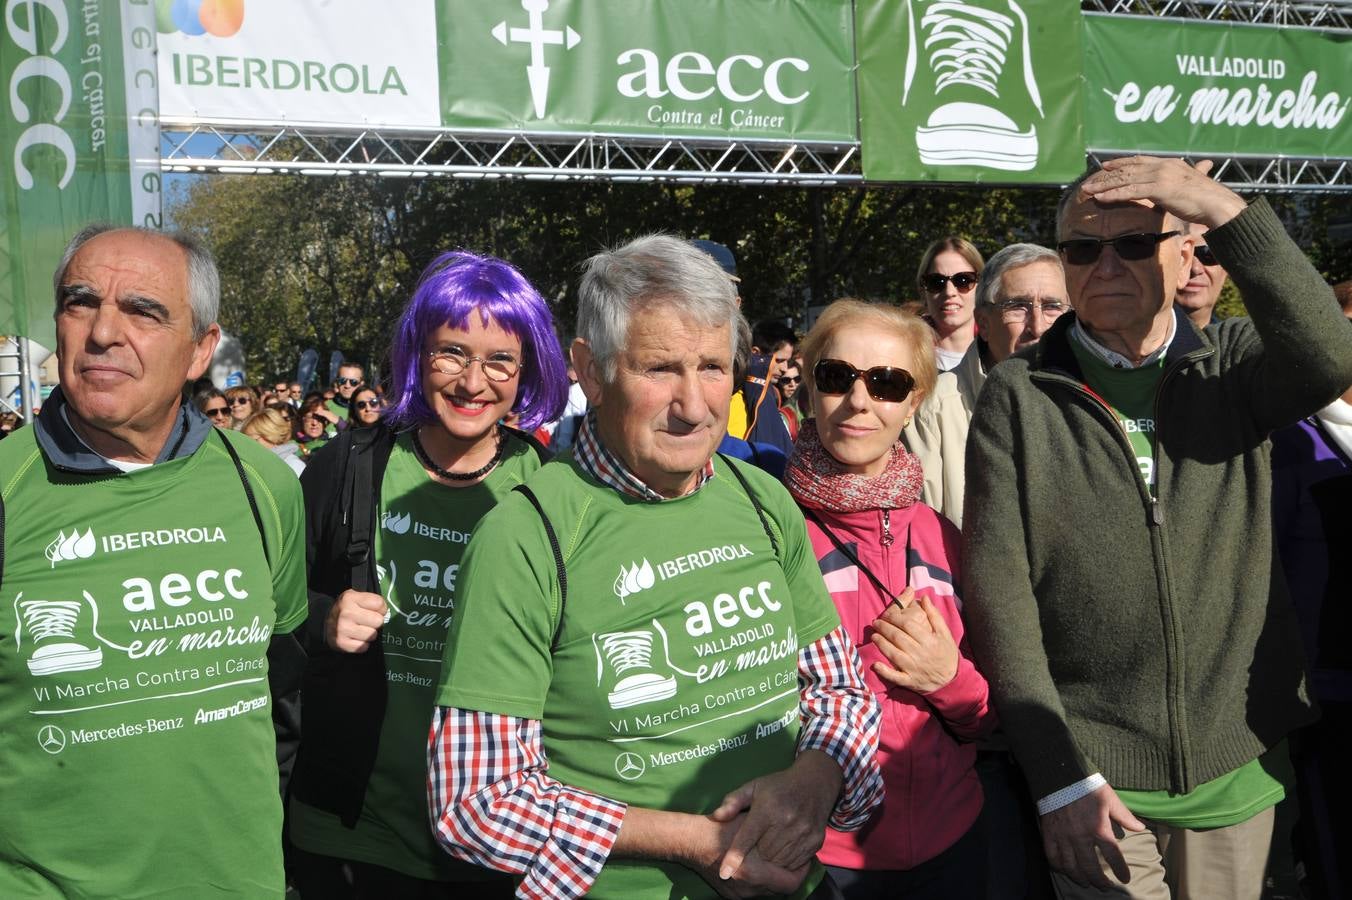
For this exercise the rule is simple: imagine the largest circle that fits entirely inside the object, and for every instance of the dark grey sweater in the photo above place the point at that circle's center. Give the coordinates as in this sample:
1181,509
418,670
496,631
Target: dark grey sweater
1150,641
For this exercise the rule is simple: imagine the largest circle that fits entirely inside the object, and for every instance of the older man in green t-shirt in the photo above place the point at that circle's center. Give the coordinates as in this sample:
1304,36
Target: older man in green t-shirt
1120,584
153,568
646,691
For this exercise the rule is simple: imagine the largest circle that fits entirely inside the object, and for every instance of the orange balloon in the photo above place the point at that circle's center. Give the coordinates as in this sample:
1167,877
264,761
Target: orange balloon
222,17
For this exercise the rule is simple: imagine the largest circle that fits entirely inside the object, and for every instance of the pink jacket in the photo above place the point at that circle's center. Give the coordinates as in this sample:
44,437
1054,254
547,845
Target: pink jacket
925,750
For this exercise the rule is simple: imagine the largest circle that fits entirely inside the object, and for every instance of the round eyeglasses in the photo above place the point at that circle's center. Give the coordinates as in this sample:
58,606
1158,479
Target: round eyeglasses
498,367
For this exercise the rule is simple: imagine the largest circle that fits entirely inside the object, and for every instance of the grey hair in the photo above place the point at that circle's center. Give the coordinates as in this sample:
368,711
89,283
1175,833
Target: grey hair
204,282
1015,256
651,271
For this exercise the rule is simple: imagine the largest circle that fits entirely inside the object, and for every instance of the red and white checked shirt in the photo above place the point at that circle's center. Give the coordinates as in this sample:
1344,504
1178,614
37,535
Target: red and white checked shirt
492,802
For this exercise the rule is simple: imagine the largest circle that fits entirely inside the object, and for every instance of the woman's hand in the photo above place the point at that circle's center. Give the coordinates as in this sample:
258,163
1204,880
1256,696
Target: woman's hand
914,637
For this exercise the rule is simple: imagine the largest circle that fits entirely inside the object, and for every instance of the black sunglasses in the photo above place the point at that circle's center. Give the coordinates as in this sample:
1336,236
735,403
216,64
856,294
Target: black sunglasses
1204,255
790,379
963,281
885,383
368,404
1129,247
217,411
239,401
345,380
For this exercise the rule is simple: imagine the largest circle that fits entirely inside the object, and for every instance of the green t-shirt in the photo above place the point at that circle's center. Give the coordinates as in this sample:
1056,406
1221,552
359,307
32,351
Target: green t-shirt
139,757
1238,795
674,680
424,527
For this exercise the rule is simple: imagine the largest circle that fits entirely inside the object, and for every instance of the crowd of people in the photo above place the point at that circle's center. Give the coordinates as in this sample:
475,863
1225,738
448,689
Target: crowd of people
1028,587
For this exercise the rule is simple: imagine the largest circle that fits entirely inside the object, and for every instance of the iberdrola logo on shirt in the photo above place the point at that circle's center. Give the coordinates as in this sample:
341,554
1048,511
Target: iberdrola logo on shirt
72,546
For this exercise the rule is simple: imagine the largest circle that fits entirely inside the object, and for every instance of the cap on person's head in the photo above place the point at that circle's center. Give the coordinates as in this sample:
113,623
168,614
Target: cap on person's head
722,255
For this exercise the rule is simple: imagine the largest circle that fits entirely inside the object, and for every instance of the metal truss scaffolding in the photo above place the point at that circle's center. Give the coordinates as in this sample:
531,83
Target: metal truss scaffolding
196,146
200,146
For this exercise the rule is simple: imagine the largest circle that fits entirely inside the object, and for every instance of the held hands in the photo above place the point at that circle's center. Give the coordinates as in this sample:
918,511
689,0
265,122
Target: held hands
755,877
1071,834
354,621
914,637
782,816
1171,184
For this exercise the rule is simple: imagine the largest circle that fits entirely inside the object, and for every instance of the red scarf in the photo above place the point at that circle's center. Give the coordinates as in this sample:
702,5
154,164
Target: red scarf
816,479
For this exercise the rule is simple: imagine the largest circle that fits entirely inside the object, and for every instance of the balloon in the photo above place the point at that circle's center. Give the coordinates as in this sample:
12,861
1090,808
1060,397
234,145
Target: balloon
186,18
222,17
164,17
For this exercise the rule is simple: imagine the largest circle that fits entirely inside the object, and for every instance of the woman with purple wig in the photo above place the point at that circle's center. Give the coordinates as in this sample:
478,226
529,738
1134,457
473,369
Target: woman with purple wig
390,509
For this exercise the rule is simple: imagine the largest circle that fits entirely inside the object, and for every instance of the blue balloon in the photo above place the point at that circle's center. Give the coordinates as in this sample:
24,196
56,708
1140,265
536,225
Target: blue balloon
186,16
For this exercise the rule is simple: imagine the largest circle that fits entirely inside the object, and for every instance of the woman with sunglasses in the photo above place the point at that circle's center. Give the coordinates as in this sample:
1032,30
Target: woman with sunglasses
242,404
947,280
892,565
390,509
363,410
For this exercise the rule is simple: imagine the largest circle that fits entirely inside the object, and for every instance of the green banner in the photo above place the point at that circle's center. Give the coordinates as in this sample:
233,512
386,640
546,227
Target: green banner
750,68
970,90
79,140
1205,88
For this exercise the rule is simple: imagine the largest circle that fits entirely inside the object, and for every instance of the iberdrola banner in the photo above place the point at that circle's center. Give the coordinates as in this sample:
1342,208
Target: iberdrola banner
1207,88
79,140
970,90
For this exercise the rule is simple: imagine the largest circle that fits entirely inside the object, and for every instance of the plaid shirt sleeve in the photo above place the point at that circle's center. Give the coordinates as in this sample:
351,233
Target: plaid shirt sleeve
840,717
492,803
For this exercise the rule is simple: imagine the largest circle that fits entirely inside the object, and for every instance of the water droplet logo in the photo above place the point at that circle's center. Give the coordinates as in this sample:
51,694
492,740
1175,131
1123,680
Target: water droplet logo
395,523
72,546
634,579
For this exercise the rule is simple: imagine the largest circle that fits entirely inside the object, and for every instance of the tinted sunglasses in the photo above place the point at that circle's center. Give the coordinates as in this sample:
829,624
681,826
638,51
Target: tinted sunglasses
239,401
963,281
791,379
885,383
1204,255
345,380
368,404
1128,247
217,411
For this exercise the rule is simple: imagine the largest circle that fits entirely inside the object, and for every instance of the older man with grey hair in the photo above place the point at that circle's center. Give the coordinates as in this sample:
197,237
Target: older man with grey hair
684,713
144,624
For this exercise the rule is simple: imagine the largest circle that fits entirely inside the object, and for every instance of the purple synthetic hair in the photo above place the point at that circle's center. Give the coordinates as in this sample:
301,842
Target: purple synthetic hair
453,286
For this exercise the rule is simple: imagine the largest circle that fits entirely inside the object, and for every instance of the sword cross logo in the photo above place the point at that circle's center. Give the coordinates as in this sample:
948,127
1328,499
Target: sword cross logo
537,36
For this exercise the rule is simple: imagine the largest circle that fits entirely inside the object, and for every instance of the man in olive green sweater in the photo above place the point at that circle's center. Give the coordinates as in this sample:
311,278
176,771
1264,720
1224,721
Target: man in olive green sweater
1121,589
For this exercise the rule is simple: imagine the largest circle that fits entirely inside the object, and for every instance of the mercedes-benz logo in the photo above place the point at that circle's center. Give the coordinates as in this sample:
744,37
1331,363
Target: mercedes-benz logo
51,739
629,766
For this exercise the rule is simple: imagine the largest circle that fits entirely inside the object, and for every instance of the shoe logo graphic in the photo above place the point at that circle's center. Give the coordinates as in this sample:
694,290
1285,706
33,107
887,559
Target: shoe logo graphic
629,657
74,546
634,579
53,627
53,739
538,37
628,766
968,46
393,522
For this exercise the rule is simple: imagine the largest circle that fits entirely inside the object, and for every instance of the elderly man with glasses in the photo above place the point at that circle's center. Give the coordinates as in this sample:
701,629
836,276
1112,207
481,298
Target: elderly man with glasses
1121,588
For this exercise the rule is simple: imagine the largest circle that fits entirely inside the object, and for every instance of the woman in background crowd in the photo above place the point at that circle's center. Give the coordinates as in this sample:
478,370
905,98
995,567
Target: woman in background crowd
892,566
364,408
947,280
270,429
242,404
475,343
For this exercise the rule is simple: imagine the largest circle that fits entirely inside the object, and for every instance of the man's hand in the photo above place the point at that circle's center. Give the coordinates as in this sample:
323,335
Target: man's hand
1170,184
916,641
755,876
1071,834
786,814
354,621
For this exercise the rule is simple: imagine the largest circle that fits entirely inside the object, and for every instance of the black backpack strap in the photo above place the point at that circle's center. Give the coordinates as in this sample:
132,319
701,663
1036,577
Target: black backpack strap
248,492
760,512
558,559
361,491
850,554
